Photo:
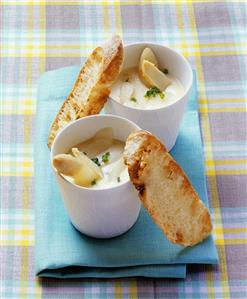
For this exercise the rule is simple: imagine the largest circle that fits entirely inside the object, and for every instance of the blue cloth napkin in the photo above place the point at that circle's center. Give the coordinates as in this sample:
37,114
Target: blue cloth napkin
61,251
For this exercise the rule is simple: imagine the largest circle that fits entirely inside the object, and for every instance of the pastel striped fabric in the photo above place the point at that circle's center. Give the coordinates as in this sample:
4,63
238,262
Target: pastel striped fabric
37,36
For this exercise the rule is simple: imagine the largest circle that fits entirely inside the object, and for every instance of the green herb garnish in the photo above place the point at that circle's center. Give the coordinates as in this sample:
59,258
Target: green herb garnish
162,95
93,182
96,161
153,91
105,157
118,179
165,71
133,99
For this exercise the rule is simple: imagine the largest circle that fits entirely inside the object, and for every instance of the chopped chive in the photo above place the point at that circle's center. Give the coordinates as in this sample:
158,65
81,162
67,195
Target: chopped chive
162,95
105,157
118,179
96,161
153,91
93,182
133,99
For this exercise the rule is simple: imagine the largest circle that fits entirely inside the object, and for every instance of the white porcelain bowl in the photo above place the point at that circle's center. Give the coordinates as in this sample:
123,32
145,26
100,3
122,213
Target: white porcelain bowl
100,213
163,122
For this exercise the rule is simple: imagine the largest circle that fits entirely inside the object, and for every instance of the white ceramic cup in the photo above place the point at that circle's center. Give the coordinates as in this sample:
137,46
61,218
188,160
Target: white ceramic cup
163,122
100,213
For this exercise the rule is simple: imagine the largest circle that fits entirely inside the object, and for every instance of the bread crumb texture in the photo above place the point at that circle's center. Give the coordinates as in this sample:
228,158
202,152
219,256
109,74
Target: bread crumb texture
166,191
92,87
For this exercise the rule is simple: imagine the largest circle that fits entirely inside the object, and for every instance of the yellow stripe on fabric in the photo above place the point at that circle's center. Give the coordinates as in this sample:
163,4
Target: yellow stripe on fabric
22,232
38,288
225,162
230,230
25,193
118,17
43,46
23,243
218,45
118,290
209,156
224,282
183,44
106,21
212,173
18,112
17,163
223,109
102,2
24,265
133,292
17,173
59,54
27,119
26,102
224,52
235,241
42,20
222,101
180,21
42,68
217,214
220,238
30,38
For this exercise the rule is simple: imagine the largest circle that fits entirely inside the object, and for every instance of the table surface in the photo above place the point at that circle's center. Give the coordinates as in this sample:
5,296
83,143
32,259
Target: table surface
37,36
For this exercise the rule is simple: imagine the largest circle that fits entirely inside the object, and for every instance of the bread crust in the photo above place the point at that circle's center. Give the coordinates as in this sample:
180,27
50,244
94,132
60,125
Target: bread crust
92,86
178,211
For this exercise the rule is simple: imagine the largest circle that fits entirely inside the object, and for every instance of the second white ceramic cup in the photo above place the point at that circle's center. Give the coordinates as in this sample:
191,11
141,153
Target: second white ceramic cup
163,122
100,213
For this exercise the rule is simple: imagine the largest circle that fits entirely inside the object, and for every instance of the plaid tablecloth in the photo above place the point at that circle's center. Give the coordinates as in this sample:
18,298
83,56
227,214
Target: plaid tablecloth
37,36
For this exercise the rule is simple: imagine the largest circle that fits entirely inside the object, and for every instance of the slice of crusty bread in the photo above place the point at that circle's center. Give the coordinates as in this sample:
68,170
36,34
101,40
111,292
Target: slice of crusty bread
91,89
165,190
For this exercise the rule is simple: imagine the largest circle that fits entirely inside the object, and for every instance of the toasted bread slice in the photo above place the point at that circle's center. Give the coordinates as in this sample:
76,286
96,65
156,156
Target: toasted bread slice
165,190
91,89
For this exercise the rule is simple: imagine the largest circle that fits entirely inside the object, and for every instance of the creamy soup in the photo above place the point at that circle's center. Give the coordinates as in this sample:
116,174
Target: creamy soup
95,163
109,159
129,90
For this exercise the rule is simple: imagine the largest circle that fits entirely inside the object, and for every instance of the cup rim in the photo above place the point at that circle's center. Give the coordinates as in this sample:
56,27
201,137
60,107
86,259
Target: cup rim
121,184
187,90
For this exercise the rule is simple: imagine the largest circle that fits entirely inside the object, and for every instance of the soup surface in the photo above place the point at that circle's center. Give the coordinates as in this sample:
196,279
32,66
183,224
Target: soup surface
95,163
129,90
109,158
